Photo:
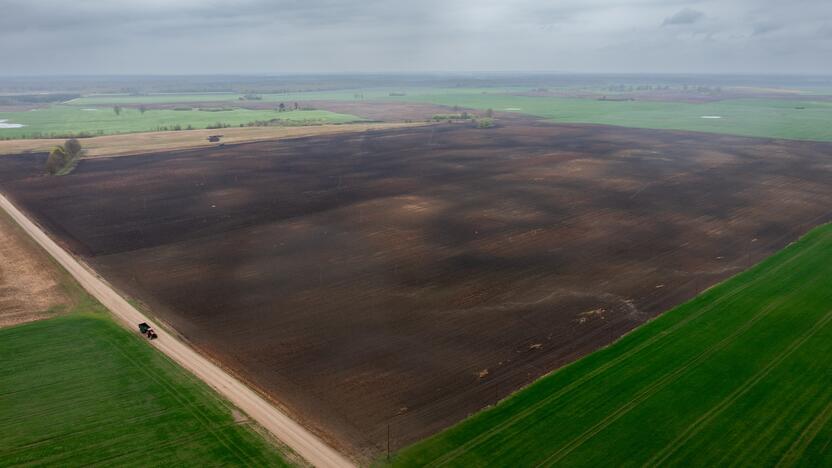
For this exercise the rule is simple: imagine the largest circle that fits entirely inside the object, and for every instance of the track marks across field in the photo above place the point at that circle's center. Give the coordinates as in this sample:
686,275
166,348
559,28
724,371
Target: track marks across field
653,341
692,385
706,418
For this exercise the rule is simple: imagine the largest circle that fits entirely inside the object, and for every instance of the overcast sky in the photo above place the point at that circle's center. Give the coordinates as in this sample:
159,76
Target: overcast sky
294,36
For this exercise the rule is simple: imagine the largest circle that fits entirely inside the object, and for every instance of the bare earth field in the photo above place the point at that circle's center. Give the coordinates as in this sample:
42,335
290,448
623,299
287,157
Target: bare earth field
137,143
411,276
30,287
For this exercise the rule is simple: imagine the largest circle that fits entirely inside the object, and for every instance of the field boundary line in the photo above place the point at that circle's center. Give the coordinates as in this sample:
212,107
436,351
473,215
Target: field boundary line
279,424
706,418
447,457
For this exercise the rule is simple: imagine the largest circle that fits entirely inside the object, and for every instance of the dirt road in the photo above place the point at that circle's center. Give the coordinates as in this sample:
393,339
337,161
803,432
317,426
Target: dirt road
306,444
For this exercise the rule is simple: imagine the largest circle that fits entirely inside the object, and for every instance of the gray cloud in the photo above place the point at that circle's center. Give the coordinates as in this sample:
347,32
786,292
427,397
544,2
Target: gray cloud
276,36
765,28
685,16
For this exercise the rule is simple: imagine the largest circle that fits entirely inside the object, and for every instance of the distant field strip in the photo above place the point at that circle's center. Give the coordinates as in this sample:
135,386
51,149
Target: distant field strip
147,142
78,390
289,97
799,120
738,375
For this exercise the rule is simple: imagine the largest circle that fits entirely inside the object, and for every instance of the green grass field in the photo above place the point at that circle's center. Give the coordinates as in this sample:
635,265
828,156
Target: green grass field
79,390
62,120
748,117
739,375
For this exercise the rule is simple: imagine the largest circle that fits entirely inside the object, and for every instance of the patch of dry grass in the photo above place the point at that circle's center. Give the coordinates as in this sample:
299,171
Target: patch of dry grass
137,143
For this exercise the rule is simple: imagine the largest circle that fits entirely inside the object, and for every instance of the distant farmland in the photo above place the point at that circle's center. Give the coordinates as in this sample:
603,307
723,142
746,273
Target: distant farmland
737,112
782,118
289,97
60,121
739,374
800,117
78,390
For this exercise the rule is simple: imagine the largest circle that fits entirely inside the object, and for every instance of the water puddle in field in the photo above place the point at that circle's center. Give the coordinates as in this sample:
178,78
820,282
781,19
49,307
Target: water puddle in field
512,108
4,124
89,110
710,116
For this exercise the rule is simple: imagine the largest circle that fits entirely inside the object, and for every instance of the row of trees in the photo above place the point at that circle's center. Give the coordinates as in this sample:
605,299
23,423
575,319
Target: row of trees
117,109
282,107
631,88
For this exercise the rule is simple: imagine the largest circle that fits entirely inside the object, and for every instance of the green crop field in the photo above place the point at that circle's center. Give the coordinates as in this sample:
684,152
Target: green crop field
801,120
62,120
79,390
738,375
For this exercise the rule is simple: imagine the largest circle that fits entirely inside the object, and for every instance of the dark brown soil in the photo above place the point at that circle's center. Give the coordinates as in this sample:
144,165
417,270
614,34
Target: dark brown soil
408,277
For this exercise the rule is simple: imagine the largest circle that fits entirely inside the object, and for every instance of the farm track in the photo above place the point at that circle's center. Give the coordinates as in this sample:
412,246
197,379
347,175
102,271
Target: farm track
303,442
746,386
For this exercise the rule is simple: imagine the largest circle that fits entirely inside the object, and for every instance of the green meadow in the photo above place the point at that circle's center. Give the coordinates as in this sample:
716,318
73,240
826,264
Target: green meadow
738,375
62,121
790,119
78,390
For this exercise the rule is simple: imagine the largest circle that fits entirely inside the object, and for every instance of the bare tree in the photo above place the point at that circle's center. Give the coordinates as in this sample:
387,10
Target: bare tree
117,109
142,109
281,107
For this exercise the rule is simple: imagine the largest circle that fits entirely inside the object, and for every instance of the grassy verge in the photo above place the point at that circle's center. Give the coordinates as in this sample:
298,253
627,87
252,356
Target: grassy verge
80,390
65,121
800,120
739,374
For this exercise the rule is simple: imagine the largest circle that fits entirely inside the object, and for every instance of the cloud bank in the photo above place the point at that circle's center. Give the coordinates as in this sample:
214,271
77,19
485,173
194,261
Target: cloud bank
298,36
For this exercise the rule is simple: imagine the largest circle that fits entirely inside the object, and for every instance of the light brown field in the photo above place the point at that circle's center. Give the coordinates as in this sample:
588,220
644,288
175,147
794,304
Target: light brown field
136,143
30,284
